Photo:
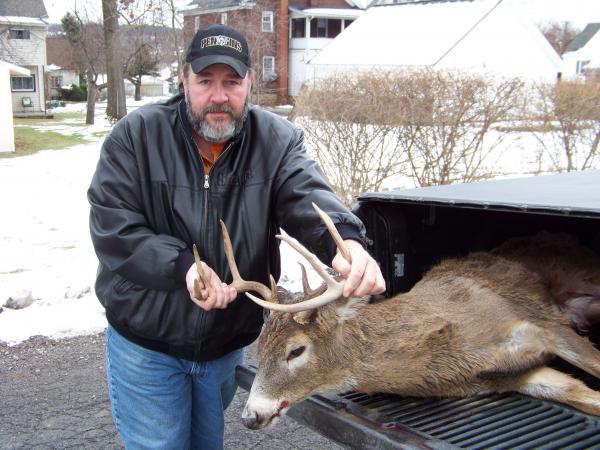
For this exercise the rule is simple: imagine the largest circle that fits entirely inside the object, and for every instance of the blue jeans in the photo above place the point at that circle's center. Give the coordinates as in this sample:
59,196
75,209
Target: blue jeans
162,402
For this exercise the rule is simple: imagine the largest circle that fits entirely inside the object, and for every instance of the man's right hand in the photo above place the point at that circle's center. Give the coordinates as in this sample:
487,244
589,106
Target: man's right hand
219,295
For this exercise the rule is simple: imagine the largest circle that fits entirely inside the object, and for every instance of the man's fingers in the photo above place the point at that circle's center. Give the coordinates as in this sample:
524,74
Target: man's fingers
363,276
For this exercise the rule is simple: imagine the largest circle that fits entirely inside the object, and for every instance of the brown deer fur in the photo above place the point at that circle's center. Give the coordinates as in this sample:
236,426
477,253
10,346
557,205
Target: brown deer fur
485,322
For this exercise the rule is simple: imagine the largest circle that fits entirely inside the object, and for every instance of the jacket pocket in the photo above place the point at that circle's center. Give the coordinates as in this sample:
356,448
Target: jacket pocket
122,285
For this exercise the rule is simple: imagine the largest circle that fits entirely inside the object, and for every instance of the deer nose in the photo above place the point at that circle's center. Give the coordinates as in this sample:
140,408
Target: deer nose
250,420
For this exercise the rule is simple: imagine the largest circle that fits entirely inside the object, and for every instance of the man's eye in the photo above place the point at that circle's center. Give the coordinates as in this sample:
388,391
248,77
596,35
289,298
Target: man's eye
296,352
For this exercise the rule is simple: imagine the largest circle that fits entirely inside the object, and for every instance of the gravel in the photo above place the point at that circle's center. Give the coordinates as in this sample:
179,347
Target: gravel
53,396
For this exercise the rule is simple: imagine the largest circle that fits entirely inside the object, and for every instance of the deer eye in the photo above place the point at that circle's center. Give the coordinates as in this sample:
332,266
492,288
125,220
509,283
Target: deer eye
296,352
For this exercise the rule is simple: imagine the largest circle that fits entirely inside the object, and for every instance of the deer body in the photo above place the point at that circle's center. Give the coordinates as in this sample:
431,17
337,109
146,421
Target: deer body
485,322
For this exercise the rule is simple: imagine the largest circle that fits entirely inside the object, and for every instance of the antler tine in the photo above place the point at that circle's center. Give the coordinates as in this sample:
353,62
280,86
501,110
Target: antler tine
332,293
308,291
199,293
242,285
333,289
334,233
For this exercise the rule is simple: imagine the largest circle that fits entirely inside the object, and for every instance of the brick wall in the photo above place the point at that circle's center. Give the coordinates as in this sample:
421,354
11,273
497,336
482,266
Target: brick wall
249,22
60,53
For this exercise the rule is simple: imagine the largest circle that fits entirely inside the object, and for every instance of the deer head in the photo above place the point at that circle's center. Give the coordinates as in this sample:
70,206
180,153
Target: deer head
312,350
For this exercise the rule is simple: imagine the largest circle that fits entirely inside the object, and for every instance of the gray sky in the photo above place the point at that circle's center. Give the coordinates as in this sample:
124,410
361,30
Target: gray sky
580,12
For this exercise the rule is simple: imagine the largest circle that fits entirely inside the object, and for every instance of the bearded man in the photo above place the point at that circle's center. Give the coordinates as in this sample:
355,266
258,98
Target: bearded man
167,174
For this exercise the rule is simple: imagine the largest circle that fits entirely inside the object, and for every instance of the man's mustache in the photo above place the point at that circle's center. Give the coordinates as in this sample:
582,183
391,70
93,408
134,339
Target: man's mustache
225,108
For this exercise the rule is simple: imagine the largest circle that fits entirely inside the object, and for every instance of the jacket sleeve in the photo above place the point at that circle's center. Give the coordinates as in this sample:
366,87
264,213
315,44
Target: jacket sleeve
300,182
122,237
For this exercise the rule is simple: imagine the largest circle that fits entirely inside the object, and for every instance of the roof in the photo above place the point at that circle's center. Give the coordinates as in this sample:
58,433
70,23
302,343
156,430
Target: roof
572,193
215,5
444,34
330,13
23,8
15,70
584,37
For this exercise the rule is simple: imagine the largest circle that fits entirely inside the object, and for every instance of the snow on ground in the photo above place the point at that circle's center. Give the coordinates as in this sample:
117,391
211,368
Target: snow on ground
45,244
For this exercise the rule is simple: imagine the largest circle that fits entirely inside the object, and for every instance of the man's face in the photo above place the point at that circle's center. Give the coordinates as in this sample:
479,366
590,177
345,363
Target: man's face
217,101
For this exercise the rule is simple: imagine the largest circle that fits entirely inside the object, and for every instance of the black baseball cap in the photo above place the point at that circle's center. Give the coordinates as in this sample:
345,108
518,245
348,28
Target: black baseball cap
219,44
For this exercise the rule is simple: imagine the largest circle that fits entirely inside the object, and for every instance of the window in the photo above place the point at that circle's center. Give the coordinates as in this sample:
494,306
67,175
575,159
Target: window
19,34
22,83
298,28
196,23
325,28
268,68
56,81
580,68
267,21
223,18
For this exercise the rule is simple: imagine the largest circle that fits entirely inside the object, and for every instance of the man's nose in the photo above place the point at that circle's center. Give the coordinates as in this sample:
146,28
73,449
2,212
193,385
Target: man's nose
219,95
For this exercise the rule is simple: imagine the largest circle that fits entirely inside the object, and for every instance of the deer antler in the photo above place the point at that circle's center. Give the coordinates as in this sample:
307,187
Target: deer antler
334,288
199,293
238,283
331,289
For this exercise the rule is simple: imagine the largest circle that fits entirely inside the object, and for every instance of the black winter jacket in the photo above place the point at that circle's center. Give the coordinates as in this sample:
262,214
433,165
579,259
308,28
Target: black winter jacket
150,201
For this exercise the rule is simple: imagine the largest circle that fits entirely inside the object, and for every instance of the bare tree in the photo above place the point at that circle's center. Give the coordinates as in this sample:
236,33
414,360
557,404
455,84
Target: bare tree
88,38
559,34
115,108
446,123
168,17
433,127
349,131
566,124
143,61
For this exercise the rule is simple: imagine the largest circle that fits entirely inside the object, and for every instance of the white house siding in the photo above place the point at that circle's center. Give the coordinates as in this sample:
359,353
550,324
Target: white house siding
29,53
484,36
66,77
301,51
587,56
7,137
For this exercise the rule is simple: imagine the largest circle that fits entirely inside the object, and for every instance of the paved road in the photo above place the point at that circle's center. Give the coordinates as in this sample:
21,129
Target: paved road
53,396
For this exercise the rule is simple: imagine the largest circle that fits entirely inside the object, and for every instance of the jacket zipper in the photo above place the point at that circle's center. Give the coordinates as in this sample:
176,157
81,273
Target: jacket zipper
207,176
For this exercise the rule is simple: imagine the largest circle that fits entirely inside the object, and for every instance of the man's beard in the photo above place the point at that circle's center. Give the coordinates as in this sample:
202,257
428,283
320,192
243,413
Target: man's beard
221,132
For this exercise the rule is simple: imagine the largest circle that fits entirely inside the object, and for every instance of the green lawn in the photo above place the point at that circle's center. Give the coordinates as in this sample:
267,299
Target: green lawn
30,140
30,136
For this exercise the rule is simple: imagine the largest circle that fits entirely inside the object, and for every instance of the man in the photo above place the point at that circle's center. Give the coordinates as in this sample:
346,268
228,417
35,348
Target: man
167,173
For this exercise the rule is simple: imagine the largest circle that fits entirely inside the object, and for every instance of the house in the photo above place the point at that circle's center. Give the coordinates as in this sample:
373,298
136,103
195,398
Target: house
64,61
282,36
7,137
583,53
59,77
478,36
23,43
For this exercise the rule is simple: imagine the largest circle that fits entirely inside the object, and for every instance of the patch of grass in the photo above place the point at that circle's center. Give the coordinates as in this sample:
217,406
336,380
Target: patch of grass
58,117
29,141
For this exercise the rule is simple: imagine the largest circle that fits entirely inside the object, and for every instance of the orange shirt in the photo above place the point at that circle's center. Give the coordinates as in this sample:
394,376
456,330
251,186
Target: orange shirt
208,151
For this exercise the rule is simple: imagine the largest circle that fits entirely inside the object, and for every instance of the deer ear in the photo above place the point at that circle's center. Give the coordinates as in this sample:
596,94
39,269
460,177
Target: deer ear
348,308
303,317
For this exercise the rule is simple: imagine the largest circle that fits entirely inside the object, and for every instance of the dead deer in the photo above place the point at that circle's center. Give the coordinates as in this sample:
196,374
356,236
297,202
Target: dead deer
490,321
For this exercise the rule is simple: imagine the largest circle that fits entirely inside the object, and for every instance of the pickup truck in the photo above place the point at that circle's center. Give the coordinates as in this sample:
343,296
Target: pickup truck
409,231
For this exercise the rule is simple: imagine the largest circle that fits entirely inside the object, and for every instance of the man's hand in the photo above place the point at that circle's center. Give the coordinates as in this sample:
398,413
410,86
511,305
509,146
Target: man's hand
363,276
219,294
